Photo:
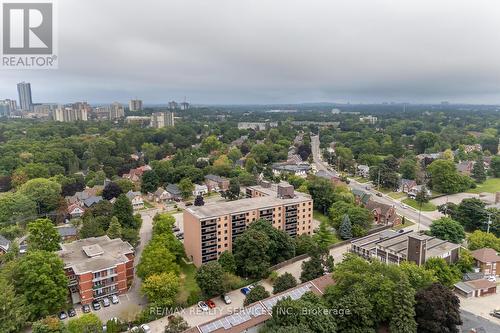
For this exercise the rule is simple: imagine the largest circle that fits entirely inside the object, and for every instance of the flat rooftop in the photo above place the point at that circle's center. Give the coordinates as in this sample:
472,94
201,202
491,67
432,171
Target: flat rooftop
398,242
94,254
248,204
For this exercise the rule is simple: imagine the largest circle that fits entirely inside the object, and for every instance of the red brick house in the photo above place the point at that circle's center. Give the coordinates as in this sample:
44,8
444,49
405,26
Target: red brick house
488,261
383,214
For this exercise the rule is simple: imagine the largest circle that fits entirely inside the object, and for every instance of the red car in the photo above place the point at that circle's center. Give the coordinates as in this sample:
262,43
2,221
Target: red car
210,303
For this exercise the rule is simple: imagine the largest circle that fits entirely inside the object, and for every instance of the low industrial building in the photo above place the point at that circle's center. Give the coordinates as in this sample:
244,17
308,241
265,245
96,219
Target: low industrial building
476,288
395,247
97,267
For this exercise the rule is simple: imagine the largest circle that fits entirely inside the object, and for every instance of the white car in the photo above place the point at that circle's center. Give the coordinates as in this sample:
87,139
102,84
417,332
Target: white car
491,278
145,328
226,299
203,306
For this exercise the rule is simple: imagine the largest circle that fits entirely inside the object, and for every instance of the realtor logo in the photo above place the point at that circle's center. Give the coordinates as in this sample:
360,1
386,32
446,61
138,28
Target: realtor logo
28,35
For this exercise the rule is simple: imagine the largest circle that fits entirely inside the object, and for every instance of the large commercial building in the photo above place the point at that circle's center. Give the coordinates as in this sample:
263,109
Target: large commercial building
135,105
212,229
393,247
24,91
162,119
69,114
97,267
116,111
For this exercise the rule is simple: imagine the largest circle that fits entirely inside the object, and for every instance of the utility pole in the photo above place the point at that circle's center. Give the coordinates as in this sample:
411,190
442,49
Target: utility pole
378,182
488,223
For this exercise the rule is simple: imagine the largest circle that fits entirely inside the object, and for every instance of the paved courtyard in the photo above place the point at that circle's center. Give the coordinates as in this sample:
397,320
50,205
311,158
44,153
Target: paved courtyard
482,306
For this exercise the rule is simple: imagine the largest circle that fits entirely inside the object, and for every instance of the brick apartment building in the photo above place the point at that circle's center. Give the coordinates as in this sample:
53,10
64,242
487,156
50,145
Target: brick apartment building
97,267
211,229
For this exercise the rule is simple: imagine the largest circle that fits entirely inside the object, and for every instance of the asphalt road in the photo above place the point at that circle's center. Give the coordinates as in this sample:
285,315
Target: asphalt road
408,212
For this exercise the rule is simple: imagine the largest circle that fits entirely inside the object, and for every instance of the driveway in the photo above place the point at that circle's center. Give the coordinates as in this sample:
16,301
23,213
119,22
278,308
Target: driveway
458,197
482,306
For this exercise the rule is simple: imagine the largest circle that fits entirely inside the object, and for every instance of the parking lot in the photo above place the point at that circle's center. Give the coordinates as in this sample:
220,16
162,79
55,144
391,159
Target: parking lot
482,306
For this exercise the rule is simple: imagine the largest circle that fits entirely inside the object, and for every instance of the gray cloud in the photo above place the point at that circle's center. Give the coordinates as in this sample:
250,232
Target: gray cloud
262,51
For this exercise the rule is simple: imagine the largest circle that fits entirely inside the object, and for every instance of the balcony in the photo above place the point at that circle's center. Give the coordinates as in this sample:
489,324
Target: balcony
104,285
103,277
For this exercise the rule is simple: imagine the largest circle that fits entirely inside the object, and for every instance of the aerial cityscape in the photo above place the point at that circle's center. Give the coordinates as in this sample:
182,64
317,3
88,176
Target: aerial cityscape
258,167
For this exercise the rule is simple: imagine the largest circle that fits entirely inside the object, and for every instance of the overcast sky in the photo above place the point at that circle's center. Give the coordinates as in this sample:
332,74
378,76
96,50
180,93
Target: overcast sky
271,51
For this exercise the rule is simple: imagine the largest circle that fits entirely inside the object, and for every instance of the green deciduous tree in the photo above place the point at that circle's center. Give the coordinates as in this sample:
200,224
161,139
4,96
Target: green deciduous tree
437,310
446,179
403,317
161,289
447,229
156,259
210,279
256,294
227,262
186,187
45,193
418,276
281,245
251,253
49,325
447,275
177,324
40,277
86,323
13,314
479,239
311,269
149,181
16,208
43,236
284,282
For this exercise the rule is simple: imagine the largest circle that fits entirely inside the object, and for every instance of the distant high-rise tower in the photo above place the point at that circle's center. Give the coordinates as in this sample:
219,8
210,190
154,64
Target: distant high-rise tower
162,119
24,91
135,105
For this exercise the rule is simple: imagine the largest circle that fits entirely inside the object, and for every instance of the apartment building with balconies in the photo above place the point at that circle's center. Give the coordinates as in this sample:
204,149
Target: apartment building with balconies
97,267
212,229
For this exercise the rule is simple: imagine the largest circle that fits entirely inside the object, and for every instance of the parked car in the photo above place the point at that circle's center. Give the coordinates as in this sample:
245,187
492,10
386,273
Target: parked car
72,312
210,303
491,278
247,289
96,305
145,328
495,313
378,194
115,299
180,235
62,315
106,302
226,298
175,229
85,308
203,306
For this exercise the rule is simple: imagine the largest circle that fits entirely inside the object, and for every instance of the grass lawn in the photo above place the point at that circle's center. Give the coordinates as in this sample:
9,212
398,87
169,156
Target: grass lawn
408,223
426,207
317,215
361,179
397,195
189,288
491,185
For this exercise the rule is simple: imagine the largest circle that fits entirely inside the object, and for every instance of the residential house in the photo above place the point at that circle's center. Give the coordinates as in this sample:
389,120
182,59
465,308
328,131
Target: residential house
299,170
135,175
200,190
331,176
75,210
4,245
426,159
361,197
475,288
382,213
136,199
97,267
405,185
465,167
415,190
160,195
394,247
174,192
89,202
80,197
488,261
216,183
67,232
363,171
472,148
